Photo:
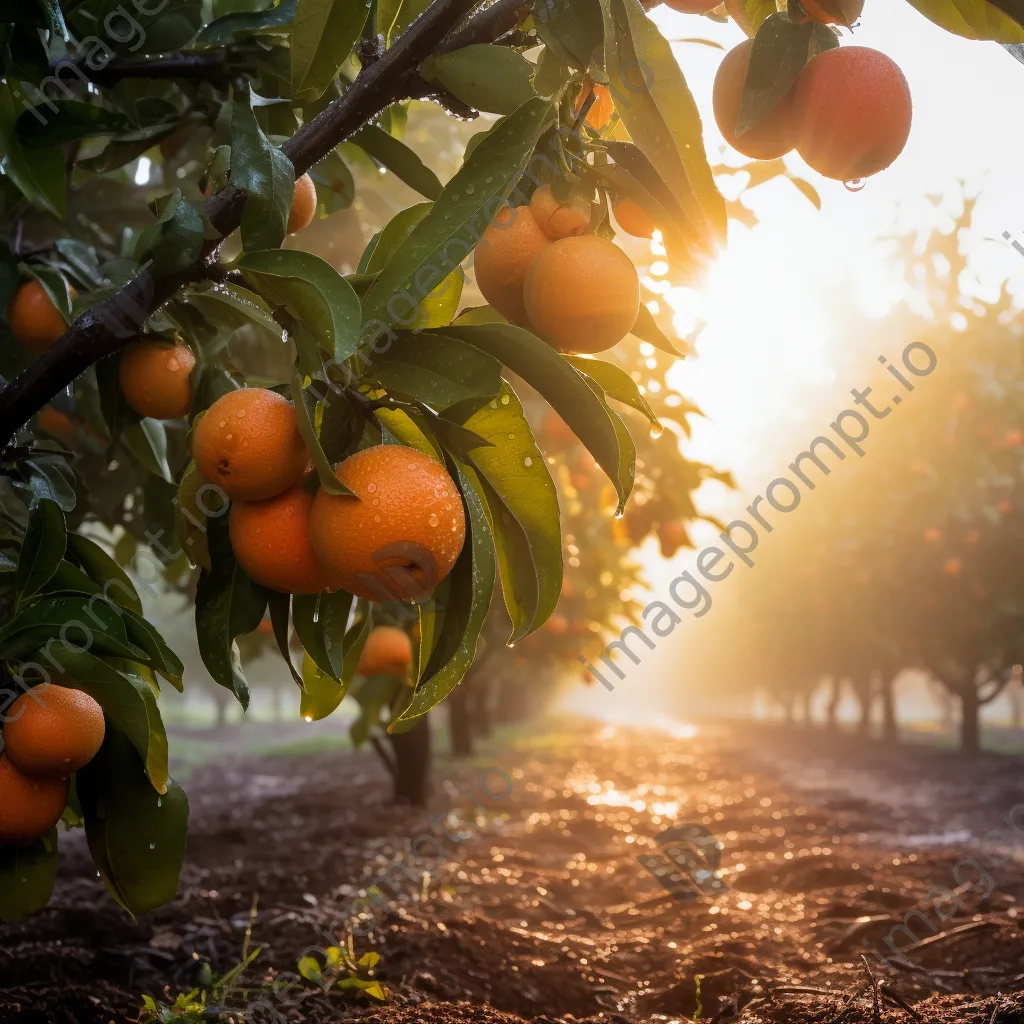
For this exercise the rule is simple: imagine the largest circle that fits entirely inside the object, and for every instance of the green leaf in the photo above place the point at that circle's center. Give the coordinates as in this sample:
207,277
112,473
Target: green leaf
128,702
266,176
321,39
50,476
781,50
190,516
441,372
272,20
974,19
325,471
431,619
320,621
280,610
647,329
71,121
495,79
616,384
573,30
228,604
27,875
653,100
395,16
103,569
175,240
42,551
320,302
469,597
39,173
136,835
565,390
398,158
335,186
522,506
750,14
321,692
147,441
449,231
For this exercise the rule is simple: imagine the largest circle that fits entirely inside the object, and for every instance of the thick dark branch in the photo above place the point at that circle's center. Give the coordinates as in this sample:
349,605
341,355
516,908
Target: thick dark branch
192,67
111,325
494,22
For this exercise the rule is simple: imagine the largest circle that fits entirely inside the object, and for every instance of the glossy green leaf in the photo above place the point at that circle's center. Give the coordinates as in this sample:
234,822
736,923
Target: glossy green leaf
522,505
321,303
973,19
50,476
398,158
104,570
321,692
273,20
71,121
27,875
279,606
305,418
266,176
395,16
495,79
228,604
147,441
656,106
440,372
469,597
42,551
572,29
646,329
320,621
321,39
616,384
447,234
564,389
136,835
39,173
175,240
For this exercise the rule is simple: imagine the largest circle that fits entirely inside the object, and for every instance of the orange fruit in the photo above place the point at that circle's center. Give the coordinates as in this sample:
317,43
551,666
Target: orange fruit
503,255
952,566
556,220
53,731
582,294
270,539
303,204
388,652
633,218
854,111
972,536
775,135
601,110
58,424
35,321
932,535
29,807
248,443
400,532
833,12
156,379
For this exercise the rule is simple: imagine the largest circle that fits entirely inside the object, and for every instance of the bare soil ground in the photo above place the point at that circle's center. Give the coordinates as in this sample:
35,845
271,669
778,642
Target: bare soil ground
538,907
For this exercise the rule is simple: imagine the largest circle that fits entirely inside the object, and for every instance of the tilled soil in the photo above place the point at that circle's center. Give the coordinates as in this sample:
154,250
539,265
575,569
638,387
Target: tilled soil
857,883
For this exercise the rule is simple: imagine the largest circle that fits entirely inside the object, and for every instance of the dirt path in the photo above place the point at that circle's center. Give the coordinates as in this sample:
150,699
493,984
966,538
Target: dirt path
531,896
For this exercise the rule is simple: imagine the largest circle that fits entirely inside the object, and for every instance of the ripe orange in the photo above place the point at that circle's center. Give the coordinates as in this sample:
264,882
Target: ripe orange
303,204
503,254
401,532
156,379
582,294
270,539
35,321
388,652
53,731
833,12
58,424
29,807
775,135
952,566
601,110
633,218
854,110
932,535
556,220
248,442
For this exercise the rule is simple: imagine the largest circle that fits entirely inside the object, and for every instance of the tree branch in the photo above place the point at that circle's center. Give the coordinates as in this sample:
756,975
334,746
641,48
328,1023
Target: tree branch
110,326
193,67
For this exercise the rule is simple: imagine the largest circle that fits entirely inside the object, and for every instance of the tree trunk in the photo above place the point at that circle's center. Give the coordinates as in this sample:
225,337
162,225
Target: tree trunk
970,722
412,763
460,720
890,727
835,697
863,694
805,709
483,724
221,702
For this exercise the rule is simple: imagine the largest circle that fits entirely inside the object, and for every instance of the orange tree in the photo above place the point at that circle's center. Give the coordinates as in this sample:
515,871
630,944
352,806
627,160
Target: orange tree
154,159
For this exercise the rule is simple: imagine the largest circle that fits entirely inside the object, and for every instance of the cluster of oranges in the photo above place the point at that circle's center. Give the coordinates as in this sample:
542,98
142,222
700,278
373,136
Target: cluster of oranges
51,732
396,536
847,114
538,267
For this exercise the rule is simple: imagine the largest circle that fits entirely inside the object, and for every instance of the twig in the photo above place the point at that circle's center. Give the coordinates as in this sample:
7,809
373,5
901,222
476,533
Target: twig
894,997
383,754
954,933
876,1013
